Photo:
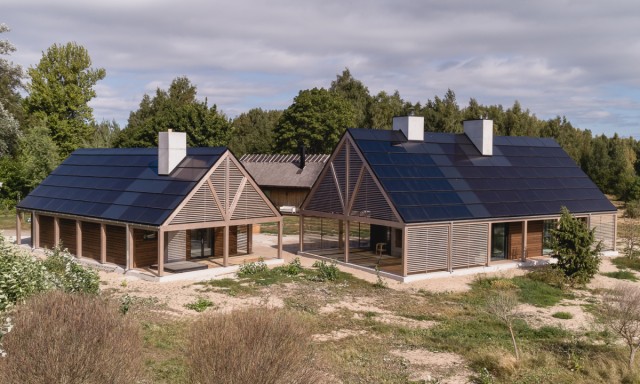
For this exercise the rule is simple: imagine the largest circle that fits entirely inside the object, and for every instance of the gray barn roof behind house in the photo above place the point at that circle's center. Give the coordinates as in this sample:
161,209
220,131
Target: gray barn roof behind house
446,178
283,170
120,184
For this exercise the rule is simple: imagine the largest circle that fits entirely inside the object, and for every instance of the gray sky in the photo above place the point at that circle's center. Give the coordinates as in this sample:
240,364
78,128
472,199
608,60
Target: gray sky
580,59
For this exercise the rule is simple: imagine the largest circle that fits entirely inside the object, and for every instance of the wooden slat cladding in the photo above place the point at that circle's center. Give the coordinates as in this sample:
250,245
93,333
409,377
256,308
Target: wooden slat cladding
242,239
68,235
91,240
145,251
251,205
427,249
515,240
47,237
233,240
325,198
469,245
605,226
235,178
218,180
218,241
370,202
340,167
355,164
200,208
176,246
534,238
116,244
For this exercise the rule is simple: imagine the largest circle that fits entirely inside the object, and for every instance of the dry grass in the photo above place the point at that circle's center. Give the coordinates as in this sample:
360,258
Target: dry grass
256,346
71,338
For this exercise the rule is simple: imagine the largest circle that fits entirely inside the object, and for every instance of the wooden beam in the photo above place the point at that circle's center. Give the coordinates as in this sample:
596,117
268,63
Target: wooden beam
346,242
128,247
160,252
225,246
18,228
249,238
35,219
525,229
56,231
405,246
103,243
301,233
78,238
236,197
280,238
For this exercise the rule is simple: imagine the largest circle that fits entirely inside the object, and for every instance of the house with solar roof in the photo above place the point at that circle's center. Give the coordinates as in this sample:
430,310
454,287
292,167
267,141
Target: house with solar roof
411,202
167,208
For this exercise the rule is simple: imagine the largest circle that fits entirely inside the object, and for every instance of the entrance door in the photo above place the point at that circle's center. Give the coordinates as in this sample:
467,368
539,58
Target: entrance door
201,243
499,241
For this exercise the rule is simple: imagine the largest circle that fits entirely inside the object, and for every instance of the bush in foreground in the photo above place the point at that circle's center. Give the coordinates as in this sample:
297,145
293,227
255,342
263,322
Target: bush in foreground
71,338
259,346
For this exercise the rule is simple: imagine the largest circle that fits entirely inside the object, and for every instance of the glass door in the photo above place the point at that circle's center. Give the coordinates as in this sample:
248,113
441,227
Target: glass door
498,241
201,243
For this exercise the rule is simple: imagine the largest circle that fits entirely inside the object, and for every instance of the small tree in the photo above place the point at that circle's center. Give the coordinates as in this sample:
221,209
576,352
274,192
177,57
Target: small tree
621,313
573,246
503,305
630,233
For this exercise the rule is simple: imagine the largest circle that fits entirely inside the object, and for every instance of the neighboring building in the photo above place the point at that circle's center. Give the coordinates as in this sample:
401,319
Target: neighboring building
143,207
411,202
285,179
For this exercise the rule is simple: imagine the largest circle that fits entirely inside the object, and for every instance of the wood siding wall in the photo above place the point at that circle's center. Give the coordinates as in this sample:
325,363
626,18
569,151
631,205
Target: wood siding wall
287,196
68,235
427,249
534,238
91,240
514,245
47,237
176,246
218,242
605,226
469,245
116,245
145,251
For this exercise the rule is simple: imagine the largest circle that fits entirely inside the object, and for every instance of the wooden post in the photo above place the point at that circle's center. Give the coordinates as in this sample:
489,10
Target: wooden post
301,233
225,246
525,227
78,238
18,228
346,243
128,247
56,231
489,240
35,220
103,243
405,246
340,234
160,252
249,238
280,238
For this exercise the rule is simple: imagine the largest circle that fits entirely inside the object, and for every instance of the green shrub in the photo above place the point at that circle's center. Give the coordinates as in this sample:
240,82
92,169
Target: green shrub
627,262
632,209
538,293
621,275
71,338
259,346
252,268
293,268
21,275
66,274
562,315
325,272
200,305
549,275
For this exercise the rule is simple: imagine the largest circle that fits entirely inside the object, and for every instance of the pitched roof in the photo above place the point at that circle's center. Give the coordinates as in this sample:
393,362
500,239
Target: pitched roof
446,178
283,170
120,184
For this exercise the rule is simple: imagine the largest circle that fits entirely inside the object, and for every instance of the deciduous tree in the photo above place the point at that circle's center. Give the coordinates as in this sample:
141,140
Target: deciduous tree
60,88
253,131
10,78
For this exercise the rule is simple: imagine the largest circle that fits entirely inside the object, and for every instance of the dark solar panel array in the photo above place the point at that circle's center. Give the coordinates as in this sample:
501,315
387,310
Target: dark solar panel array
446,178
120,184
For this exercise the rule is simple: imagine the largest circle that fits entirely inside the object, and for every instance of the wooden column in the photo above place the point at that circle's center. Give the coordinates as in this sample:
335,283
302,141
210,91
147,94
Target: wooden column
78,238
450,248
301,234
525,225
56,231
18,228
346,242
280,238
103,243
128,247
225,246
489,240
160,252
35,220
249,238
405,246
340,235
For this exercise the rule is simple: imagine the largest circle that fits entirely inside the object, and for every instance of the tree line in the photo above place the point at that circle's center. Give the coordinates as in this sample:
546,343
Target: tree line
40,129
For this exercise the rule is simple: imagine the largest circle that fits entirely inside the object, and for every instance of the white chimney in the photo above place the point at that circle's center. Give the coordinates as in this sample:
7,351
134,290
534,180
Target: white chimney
480,132
172,148
411,126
